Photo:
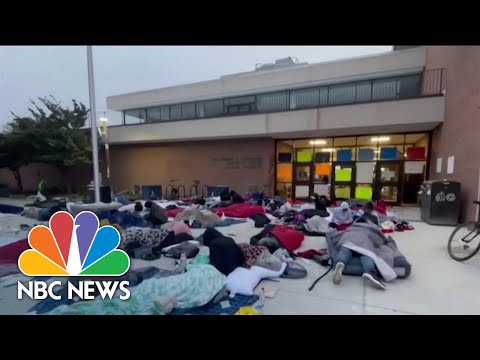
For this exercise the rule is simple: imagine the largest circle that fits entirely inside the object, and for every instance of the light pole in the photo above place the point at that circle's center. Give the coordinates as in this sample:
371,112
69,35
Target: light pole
104,133
93,123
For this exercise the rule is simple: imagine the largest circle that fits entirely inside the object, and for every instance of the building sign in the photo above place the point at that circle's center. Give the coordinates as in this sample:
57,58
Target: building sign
236,163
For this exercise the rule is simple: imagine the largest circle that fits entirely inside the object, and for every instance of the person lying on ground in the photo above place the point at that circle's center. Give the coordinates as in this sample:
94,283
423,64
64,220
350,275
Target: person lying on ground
157,215
368,215
200,201
345,255
173,195
342,215
377,253
236,198
134,208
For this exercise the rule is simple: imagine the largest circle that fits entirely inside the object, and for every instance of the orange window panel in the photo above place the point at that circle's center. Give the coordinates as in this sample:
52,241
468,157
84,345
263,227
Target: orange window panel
324,169
284,172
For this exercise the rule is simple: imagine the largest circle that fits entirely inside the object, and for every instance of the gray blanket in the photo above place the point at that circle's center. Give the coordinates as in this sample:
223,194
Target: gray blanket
205,218
369,240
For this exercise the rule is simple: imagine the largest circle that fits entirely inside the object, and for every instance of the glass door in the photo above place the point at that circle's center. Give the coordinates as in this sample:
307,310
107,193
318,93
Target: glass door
388,181
343,176
303,180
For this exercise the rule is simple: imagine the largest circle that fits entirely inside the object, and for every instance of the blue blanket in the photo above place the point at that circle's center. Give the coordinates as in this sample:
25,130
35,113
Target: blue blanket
228,222
216,309
124,219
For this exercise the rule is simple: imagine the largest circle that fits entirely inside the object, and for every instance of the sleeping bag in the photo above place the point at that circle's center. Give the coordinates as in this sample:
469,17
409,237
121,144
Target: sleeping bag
286,236
241,210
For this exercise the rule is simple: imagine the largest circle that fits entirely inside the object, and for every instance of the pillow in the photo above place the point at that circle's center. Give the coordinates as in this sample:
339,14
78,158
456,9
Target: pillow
242,281
264,273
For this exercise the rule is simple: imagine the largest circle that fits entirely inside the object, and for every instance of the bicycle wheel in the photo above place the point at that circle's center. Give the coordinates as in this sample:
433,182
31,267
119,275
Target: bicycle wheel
464,241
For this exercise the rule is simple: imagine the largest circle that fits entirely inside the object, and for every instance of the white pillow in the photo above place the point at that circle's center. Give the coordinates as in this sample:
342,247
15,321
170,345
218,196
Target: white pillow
242,281
264,273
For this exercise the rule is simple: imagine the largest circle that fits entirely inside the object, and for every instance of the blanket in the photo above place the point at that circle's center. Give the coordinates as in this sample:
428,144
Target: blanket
135,237
243,210
205,218
369,240
9,253
317,224
125,220
194,288
234,304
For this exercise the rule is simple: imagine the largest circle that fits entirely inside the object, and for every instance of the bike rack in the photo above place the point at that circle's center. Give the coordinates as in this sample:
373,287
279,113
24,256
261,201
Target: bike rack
204,188
181,187
166,190
194,187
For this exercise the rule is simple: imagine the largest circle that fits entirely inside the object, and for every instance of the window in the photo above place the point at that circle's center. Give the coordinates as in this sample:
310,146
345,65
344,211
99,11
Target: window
384,89
156,114
214,108
399,87
240,100
304,98
136,116
153,114
188,111
272,102
233,109
341,94
165,113
409,86
200,109
176,112
240,109
324,96
240,105
364,91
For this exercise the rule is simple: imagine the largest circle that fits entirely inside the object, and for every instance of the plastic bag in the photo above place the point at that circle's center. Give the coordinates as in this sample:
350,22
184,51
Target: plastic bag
248,310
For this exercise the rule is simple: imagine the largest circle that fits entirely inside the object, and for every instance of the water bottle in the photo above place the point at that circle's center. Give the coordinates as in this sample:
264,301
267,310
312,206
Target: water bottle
182,266
260,304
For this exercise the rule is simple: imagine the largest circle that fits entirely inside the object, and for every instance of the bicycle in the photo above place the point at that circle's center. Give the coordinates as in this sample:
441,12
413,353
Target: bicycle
465,243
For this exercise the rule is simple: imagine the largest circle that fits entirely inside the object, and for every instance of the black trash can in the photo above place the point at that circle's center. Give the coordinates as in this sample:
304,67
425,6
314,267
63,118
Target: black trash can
440,202
152,192
105,194
216,190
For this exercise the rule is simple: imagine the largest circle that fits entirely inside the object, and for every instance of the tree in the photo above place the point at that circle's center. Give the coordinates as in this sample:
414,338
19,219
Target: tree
55,134
17,148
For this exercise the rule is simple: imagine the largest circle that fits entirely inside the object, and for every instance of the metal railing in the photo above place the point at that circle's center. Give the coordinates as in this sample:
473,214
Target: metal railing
432,82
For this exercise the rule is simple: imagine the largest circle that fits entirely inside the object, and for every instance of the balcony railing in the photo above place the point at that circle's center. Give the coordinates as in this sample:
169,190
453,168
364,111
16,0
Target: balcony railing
432,82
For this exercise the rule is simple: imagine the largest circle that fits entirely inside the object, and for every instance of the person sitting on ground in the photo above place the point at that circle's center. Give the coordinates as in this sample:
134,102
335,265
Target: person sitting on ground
157,215
173,195
225,196
236,198
326,201
320,203
368,215
341,215
134,208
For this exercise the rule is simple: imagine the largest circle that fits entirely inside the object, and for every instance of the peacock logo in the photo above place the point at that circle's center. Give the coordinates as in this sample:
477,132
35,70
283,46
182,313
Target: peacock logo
74,247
